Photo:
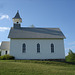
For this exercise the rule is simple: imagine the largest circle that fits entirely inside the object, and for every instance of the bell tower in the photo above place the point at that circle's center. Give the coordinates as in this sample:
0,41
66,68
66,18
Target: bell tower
17,20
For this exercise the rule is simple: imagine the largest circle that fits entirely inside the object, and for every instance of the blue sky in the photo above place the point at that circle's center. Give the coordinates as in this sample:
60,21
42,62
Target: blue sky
40,13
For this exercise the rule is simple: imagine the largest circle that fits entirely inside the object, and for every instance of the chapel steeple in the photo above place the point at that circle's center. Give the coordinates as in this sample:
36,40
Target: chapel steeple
17,20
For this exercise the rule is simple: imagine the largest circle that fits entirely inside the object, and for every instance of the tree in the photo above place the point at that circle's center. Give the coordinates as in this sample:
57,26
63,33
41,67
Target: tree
71,56
32,26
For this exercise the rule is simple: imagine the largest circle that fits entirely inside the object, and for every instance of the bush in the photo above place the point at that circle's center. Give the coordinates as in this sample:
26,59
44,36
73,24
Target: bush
70,57
7,57
0,53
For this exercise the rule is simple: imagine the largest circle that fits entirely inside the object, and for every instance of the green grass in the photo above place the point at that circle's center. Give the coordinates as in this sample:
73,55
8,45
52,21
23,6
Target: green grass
33,67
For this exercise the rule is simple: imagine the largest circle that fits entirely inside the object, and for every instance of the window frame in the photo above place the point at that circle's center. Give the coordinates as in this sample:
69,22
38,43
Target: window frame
52,48
38,48
23,48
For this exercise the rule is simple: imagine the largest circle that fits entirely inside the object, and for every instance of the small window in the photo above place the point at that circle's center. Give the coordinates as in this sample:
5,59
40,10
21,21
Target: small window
38,48
5,52
24,48
52,48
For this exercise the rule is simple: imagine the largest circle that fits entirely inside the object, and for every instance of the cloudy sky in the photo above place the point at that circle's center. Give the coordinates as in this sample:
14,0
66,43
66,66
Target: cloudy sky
40,13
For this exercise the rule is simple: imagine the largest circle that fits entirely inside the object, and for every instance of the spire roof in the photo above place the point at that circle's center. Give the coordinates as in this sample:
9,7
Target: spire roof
17,15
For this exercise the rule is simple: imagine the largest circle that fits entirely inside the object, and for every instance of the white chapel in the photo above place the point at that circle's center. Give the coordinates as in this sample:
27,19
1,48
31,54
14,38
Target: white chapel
35,43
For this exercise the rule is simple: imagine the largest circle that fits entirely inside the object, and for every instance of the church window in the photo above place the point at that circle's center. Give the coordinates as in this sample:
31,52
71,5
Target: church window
52,48
24,48
5,52
38,48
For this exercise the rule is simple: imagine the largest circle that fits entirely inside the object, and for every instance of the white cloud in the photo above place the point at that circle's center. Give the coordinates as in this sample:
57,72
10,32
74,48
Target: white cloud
4,17
4,28
72,43
0,43
72,47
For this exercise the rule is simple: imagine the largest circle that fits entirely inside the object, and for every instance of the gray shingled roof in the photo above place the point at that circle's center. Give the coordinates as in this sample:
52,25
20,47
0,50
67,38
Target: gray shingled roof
36,33
17,15
5,45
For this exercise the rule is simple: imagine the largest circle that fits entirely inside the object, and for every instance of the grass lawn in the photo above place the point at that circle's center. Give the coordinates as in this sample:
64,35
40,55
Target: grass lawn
32,67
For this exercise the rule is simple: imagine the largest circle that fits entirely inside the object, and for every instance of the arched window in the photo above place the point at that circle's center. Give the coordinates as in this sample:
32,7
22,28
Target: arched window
38,48
24,48
52,48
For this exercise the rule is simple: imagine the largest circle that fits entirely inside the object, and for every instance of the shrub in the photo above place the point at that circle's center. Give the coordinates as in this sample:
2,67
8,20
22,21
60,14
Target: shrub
7,57
70,57
0,53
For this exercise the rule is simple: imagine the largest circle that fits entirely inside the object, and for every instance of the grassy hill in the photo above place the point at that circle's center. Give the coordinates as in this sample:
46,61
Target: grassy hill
34,67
